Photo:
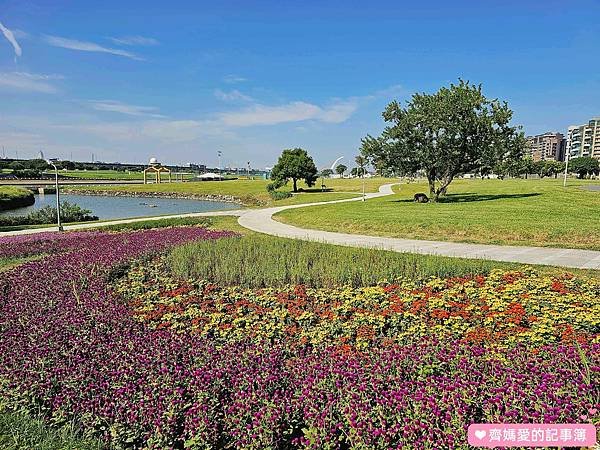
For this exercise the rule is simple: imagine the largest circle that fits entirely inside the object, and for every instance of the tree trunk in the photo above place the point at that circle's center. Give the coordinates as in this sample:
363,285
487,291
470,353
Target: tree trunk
295,185
443,187
431,179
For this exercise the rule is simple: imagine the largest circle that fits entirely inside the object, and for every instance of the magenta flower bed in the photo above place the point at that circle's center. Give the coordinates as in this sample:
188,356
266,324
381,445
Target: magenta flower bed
72,351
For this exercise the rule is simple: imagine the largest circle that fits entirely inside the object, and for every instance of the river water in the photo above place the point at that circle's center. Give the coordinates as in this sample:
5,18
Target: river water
125,207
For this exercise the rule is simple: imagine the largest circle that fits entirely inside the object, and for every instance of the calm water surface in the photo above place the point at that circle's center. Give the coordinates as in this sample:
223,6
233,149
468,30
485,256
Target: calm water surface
124,207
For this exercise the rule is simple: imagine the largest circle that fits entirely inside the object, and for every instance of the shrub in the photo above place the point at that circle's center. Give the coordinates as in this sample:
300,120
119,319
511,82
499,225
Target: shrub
69,212
280,195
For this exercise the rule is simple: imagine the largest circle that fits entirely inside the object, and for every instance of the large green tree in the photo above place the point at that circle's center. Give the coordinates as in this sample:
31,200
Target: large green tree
341,169
295,164
453,131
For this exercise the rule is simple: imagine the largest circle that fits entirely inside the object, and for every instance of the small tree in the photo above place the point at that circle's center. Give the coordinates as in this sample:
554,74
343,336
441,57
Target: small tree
326,173
584,166
456,130
295,164
341,169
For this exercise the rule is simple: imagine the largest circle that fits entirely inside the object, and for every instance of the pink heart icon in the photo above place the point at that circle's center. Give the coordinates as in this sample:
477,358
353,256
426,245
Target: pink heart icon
480,434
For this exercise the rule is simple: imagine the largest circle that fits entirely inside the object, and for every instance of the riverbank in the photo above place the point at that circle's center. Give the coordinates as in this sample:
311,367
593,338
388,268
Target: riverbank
248,201
12,197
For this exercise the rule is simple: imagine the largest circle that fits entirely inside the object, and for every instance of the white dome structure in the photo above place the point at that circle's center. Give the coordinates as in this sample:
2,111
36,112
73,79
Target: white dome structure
153,161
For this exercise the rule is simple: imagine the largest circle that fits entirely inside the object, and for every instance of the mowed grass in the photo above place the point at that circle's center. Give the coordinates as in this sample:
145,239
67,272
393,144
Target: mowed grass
251,192
509,212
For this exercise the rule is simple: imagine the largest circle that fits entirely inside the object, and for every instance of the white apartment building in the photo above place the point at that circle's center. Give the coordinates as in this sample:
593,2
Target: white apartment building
584,140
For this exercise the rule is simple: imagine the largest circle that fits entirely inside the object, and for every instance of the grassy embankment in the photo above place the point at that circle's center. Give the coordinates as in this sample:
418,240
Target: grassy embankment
509,212
12,197
250,192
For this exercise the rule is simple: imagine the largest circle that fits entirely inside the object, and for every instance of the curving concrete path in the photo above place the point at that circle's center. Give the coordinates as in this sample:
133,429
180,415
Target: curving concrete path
261,220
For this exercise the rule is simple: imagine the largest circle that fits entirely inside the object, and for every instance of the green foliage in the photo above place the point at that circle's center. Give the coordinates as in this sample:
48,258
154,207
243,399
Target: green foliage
69,212
12,197
341,169
584,166
280,195
547,168
456,130
326,173
295,164
262,261
159,223
22,432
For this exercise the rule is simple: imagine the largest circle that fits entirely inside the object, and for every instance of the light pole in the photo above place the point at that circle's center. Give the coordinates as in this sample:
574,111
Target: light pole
51,162
566,168
219,154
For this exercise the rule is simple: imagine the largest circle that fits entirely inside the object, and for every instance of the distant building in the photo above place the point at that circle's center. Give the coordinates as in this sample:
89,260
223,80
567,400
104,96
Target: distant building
584,140
547,146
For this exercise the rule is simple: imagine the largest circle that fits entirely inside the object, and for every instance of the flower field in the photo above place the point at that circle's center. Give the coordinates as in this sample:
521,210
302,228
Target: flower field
502,308
150,361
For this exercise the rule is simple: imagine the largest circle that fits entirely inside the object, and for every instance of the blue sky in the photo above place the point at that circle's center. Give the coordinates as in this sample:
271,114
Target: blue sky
180,80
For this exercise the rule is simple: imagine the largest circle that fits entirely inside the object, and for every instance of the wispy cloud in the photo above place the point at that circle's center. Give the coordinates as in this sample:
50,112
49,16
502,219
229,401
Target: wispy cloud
83,46
124,108
232,96
134,40
290,112
29,82
9,35
232,79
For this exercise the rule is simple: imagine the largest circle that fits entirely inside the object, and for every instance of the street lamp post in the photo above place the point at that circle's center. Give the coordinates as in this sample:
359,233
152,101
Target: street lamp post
566,168
51,162
219,154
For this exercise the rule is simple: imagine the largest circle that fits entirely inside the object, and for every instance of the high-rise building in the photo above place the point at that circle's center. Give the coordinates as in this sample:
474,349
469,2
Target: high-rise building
546,146
584,140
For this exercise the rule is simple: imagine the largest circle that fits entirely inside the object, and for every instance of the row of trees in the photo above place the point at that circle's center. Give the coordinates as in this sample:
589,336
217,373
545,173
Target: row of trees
583,167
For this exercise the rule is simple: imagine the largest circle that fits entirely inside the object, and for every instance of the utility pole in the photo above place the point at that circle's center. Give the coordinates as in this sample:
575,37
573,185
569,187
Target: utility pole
248,169
566,168
219,154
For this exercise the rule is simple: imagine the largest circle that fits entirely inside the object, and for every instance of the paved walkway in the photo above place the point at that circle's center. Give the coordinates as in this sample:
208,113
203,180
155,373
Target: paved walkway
261,220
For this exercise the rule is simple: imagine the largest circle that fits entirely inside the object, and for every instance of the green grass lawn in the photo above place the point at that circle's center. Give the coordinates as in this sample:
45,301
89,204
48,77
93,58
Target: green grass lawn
15,197
251,192
516,212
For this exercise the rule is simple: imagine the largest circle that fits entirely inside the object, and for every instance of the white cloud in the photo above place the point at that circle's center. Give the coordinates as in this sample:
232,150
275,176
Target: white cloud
232,96
23,81
82,46
134,40
232,79
291,112
123,108
8,34
20,34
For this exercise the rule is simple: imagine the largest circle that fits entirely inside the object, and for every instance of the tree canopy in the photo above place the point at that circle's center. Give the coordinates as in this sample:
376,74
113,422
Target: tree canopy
340,169
584,166
453,131
295,164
